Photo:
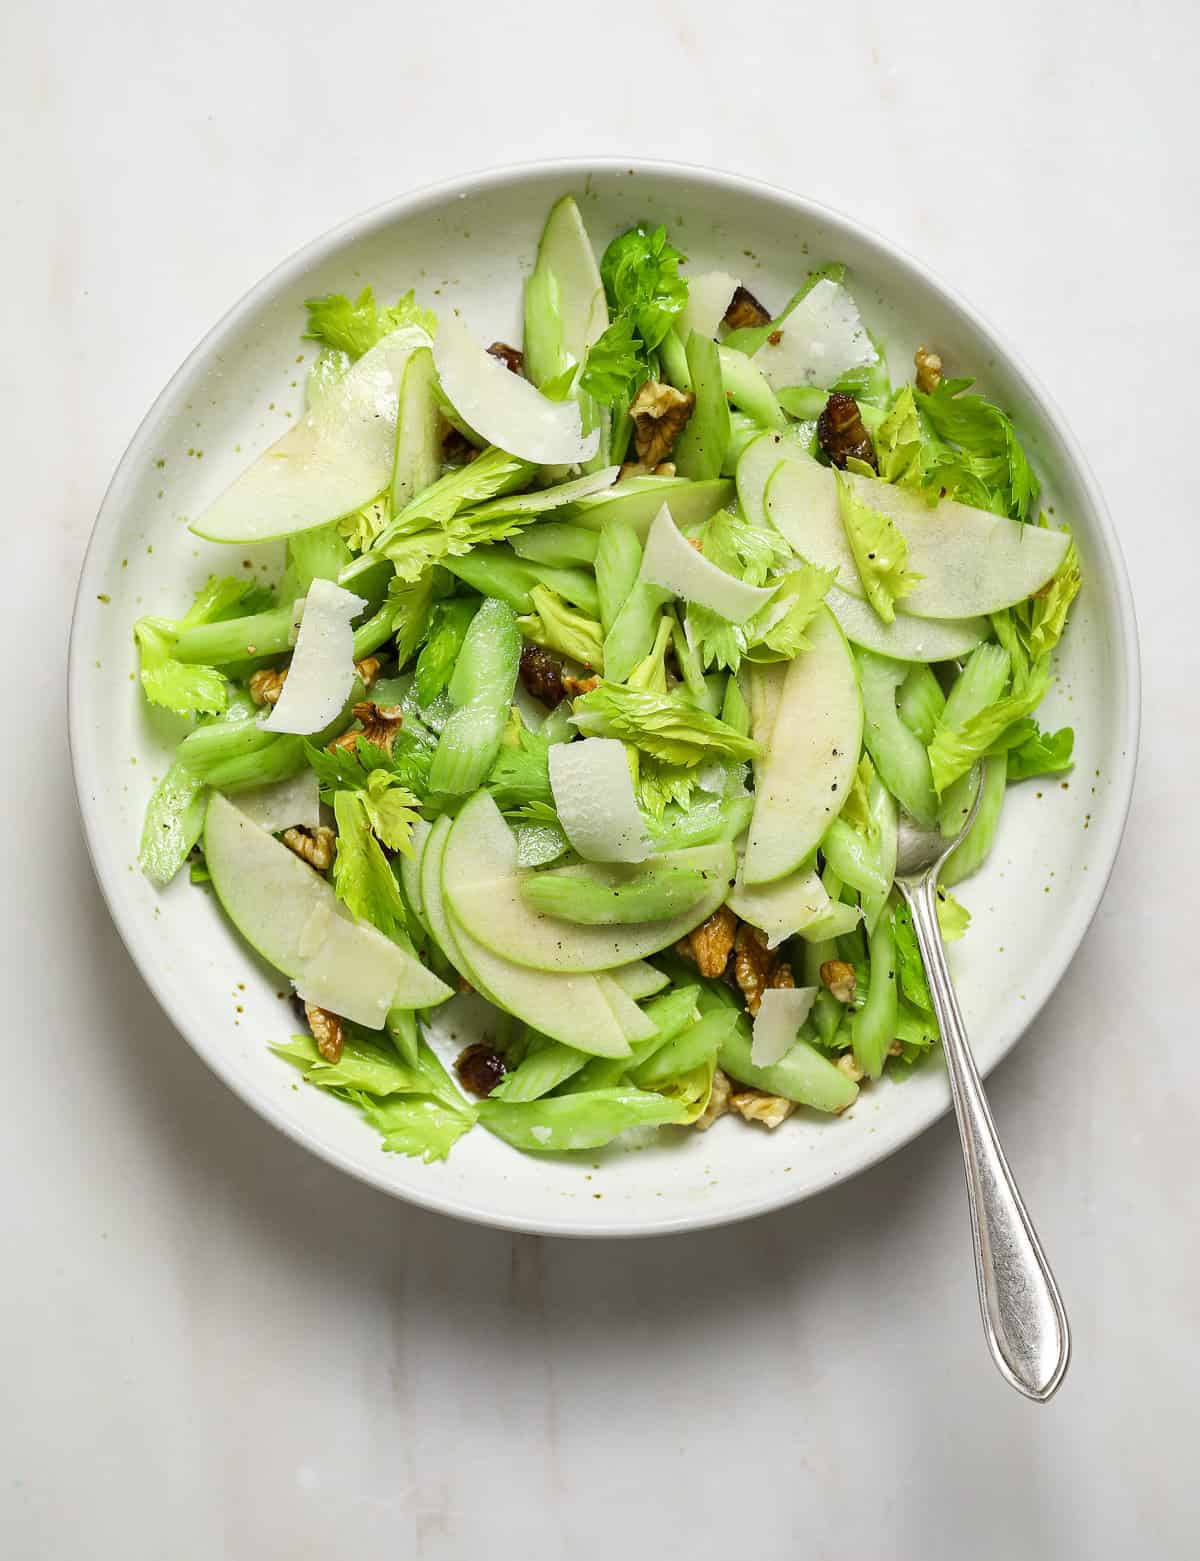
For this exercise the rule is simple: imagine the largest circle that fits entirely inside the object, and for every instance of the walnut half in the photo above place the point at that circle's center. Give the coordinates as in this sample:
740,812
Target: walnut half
756,968
659,413
379,723
314,846
929,370
266,685
718,1102
711,943
755,1105
838,976
326,1031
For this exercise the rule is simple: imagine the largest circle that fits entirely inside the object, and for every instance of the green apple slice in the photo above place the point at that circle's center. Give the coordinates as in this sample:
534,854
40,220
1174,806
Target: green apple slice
481,885
571,1009
410,871
566,252
635,1025
970,561
811,758
781,908
638,980
291,916
907,638
337,458
756,466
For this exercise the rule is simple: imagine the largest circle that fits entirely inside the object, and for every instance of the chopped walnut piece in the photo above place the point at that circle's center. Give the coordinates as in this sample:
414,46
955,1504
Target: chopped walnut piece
718,1102
576,686
380,723
838,976
895,1049
368,671
659,413
775,338
542,675
711,943
755,968
841,432
755,1105
847,1065
480,1068
745,311
929,370
512,357
326,1031
315,846
266,685
640,469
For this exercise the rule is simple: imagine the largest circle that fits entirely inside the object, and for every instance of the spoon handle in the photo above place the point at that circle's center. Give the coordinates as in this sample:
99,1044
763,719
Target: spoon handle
1023,1314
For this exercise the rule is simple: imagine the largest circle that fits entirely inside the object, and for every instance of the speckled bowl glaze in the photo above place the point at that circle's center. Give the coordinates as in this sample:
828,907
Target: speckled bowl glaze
470,243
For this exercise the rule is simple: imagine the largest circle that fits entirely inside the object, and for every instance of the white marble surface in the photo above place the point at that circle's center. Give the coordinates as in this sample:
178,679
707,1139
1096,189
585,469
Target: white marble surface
212,1344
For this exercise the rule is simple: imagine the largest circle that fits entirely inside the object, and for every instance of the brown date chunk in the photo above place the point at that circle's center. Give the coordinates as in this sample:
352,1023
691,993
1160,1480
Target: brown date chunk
511,357
479,1068
542,675
842,434
745,311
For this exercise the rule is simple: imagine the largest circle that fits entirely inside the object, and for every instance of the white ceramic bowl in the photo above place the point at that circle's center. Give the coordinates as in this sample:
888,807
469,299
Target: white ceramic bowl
470,243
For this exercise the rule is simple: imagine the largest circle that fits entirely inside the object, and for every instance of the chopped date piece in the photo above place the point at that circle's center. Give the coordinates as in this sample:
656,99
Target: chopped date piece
542,675
457,449
745,311
842,433
511,357
480,1068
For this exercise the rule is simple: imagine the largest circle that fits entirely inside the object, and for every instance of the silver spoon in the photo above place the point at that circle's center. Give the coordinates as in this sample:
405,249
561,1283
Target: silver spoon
1023,1314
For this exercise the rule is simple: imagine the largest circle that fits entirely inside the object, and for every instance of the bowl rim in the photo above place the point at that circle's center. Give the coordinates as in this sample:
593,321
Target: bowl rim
572,170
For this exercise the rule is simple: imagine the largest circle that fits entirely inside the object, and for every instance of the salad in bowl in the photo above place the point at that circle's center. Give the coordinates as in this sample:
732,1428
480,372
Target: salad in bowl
598,676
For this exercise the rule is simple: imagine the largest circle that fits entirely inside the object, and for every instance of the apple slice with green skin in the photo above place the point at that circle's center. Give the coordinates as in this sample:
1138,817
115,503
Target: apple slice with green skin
418,456
970,561
638,980
482,889
291,916
410,871
756,466
635,1026
337,458
571,1009
907,638
781,908
566,252
811,758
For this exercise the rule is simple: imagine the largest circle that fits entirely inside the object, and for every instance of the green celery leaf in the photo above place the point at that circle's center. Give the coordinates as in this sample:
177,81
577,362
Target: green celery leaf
354,328
1041,753
391,809
362,878
640,272
879,550
1045,615
659,725
898,441
448,627
520,776
563,628
419,1126
953,917
778,630
910,967
616,364
985,434
955,749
